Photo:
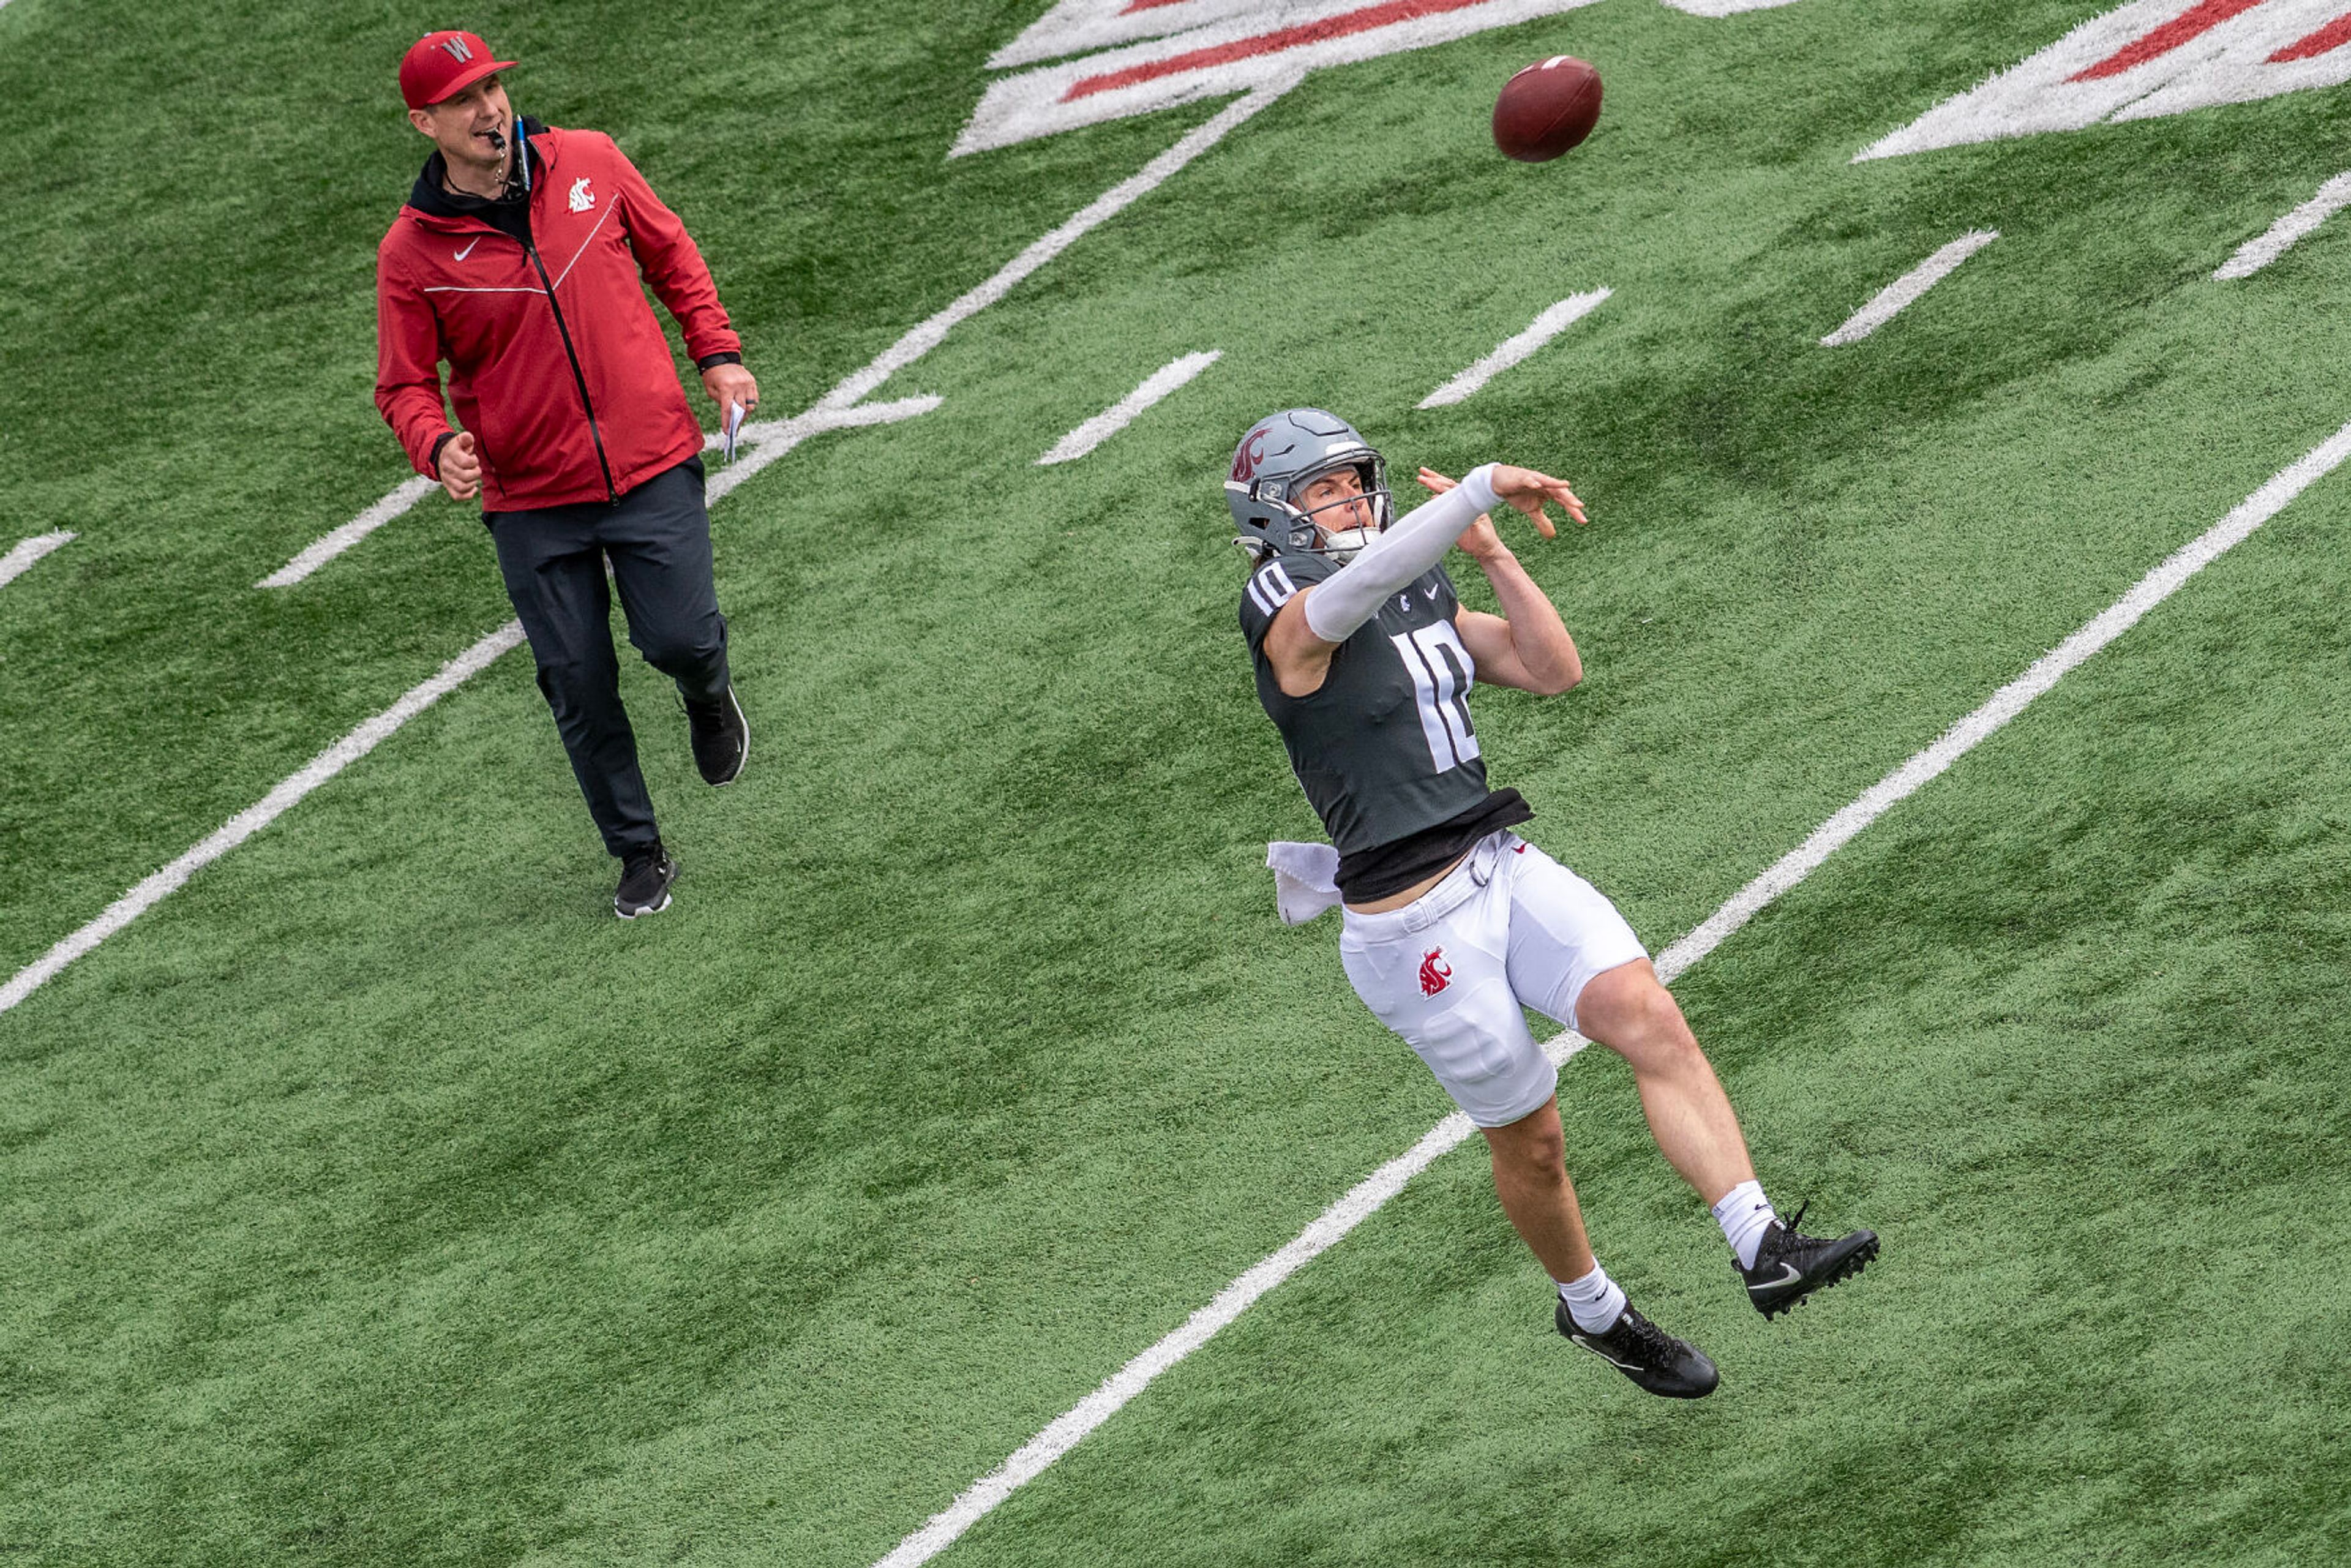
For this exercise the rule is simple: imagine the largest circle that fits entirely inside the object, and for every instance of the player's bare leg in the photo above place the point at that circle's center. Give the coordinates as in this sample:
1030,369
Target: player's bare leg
1628,1010
1530,1178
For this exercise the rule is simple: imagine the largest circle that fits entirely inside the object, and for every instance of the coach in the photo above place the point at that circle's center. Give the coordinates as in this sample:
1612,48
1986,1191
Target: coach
517,260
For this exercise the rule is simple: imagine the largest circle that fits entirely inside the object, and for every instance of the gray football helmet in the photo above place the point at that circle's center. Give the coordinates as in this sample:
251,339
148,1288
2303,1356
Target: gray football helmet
1280,455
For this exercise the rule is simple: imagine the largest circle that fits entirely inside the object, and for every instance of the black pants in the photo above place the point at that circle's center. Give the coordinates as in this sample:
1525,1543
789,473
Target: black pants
658,537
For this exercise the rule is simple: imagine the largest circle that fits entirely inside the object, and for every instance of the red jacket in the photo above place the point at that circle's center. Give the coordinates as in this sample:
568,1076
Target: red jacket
555,422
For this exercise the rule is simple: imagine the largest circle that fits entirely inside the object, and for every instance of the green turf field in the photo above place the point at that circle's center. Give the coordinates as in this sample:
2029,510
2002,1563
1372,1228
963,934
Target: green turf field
379,1199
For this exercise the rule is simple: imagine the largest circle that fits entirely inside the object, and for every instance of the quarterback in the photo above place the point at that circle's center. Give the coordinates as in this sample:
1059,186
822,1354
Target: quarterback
1453,922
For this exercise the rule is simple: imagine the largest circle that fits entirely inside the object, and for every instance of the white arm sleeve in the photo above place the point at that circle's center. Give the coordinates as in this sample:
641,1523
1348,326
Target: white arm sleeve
1350,596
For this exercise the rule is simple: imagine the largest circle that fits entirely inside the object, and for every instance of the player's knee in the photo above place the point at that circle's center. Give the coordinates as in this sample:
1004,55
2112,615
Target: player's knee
1661,1017
1631,1013
1545,1156
1531,1152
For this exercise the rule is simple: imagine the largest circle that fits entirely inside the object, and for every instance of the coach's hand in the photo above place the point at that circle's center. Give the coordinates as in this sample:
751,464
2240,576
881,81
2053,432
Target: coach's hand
461,467
728,385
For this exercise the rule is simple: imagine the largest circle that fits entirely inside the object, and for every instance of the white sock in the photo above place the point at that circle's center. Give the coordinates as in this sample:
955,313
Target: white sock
1594,1301
1744,1213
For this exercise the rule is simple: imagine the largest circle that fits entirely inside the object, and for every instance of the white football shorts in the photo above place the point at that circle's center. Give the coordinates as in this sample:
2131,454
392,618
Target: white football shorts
1508,928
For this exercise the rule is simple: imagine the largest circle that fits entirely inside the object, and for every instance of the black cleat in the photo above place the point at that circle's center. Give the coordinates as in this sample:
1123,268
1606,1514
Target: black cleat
721,737
1647,1355
645,876
1790,1265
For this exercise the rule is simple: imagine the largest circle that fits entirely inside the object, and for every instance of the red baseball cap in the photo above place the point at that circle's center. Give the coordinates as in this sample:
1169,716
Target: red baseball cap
439,65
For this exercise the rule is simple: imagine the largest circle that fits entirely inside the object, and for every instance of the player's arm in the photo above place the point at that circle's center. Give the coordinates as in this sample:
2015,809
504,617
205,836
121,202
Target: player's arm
1528,649
1306,630
1300,660
1527,645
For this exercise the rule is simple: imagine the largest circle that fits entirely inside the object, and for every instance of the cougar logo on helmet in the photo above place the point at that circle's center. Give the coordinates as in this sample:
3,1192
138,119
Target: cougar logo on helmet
1252,454
1277,460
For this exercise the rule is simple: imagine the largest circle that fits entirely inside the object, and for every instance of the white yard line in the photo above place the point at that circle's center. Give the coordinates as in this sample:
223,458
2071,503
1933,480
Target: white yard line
1374,1190
1546,326
922,340
255,818
800,427
1122,413
2266,247
1905,290
19,560
772,439
327,545
835,409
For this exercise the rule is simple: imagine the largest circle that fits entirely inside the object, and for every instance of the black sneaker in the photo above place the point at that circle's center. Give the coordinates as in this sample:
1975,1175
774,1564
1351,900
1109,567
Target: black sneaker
721,737
1647,1355
1790,1265
645,876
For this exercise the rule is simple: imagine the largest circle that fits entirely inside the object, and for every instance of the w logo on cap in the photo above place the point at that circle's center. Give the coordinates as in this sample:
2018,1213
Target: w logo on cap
440,64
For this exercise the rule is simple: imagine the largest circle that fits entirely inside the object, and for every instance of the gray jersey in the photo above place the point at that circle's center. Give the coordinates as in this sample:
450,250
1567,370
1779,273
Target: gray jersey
1383,748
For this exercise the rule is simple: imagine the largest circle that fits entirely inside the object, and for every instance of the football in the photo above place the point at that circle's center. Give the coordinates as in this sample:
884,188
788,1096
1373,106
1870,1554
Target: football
1547,109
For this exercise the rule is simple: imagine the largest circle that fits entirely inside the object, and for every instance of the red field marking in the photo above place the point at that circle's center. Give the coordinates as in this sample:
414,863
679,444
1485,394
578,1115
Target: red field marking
1134,5
1273,43
2333,36
2189,24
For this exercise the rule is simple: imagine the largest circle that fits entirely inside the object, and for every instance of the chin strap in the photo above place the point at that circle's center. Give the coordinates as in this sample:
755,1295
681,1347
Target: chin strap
1351,595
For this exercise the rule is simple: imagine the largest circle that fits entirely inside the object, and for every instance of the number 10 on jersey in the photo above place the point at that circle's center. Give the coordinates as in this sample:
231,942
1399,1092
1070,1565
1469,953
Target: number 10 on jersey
1442,672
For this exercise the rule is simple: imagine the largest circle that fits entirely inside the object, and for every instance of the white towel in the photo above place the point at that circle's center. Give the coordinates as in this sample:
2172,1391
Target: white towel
1305,880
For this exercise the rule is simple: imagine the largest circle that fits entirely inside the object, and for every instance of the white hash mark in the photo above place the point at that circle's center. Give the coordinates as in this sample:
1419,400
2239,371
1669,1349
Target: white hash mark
2281,236
1906,289
1544,328
1158,384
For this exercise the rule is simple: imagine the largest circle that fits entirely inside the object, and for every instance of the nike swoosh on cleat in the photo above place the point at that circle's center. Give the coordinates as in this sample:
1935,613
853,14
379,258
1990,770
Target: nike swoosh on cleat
469,250
1790,1277
1620,1365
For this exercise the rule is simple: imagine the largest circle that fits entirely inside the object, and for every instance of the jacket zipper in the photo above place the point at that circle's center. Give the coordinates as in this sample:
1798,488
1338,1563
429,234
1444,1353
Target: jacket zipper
611,491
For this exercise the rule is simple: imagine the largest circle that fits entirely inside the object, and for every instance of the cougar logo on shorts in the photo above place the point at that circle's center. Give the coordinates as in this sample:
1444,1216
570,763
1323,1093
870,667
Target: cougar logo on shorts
1436,974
